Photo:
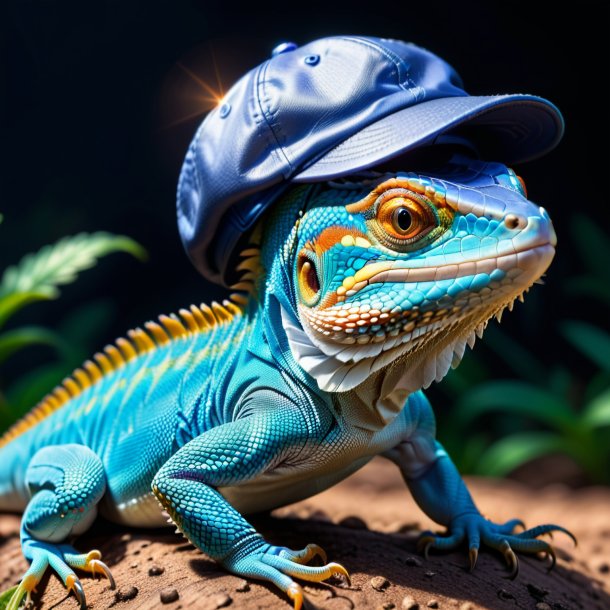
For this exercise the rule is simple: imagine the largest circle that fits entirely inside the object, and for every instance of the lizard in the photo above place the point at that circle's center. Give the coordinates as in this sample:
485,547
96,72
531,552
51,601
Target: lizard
356,295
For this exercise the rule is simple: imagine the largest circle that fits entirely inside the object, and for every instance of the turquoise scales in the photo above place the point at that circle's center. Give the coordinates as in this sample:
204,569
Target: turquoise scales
360,293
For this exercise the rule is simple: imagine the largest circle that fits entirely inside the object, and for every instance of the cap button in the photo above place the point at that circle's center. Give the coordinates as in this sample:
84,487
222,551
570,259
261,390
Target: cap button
284,47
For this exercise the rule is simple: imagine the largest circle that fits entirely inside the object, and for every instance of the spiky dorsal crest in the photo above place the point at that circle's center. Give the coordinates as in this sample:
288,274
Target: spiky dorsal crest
174,327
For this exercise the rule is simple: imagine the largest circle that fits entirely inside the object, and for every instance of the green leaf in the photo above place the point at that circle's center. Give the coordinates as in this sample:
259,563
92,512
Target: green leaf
597,412
5,597
54,265
14,340
11,303
515,450
590,340
515,397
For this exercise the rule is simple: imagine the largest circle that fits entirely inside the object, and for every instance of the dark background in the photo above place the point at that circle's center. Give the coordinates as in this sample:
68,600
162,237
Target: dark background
96,99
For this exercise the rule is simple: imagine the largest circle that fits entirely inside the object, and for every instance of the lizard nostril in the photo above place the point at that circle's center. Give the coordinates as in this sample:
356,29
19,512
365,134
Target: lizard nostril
512,221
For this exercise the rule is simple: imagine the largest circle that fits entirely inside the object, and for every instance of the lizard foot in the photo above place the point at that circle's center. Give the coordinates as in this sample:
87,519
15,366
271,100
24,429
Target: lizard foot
61,558
474,529
279,564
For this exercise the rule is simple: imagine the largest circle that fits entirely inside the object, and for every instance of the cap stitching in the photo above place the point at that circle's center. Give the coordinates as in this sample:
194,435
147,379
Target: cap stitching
261,94
407,82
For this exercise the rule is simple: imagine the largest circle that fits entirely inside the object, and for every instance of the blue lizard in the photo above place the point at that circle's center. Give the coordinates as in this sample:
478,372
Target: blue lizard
355,295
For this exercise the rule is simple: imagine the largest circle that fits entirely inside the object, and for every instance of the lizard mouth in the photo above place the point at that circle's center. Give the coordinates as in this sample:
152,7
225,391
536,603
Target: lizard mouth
475,284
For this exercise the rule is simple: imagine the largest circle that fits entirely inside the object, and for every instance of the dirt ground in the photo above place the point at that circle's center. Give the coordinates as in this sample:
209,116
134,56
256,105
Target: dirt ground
370,524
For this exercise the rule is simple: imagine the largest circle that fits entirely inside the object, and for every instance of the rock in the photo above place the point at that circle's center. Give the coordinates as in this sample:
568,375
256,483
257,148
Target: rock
169,596
353,523
466,606
243,586
386,606
155,570
543,606
413,562
538,593
125,594
430,573
220,600
379,583
504,595
433,603
408,603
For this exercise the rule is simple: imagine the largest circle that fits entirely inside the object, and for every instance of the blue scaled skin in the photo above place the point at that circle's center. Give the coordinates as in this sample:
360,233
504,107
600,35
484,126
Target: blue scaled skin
355,295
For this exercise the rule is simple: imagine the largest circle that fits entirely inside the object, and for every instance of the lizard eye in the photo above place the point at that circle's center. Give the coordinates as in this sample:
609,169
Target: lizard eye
405,218
309,283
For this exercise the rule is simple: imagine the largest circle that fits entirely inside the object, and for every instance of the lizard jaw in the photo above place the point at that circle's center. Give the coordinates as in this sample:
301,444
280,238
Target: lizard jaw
338,367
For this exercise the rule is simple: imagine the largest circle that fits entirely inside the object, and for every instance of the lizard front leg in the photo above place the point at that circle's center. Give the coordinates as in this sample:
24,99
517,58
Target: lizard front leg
233,454
440,492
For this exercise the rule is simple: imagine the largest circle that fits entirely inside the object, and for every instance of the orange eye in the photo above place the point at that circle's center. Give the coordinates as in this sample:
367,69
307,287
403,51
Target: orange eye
405,218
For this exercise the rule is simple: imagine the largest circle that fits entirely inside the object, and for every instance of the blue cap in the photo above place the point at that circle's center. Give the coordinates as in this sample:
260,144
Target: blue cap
330,108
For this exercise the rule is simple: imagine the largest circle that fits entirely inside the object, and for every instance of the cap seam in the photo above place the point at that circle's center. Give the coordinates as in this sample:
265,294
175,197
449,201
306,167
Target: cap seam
267,116
407,83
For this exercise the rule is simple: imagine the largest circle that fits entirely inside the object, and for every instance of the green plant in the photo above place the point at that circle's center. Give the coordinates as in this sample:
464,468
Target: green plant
581,433
37,277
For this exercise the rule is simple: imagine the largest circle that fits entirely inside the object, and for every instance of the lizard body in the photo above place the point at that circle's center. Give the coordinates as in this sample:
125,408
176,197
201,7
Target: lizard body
362,292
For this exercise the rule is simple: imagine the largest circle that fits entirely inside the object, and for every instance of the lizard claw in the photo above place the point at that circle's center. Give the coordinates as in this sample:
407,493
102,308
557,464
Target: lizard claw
99,567
73,584
511,560
295,593
472,527
473,555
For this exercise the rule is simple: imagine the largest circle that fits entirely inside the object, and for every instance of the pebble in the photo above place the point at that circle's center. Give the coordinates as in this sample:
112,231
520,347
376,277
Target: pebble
466,606
379,583
242,586
504,595
408,603
386,606
538,593
433,603
353,523
220,600
155,570
543,606
414,562
125,594
169,596
430,573
134,565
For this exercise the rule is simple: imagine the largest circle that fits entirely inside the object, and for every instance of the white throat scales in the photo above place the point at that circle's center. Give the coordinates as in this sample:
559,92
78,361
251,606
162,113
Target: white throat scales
338,369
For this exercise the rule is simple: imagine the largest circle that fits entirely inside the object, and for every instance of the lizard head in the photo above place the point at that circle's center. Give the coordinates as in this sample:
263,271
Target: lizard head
402,270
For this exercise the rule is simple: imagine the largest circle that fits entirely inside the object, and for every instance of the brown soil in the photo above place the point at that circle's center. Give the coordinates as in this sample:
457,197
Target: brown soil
370,524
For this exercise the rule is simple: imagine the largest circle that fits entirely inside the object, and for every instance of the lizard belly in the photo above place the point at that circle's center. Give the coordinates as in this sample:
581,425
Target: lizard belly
141,511
276,488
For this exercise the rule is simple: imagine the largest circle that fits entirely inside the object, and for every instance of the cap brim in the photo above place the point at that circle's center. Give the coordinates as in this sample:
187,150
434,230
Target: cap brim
507,128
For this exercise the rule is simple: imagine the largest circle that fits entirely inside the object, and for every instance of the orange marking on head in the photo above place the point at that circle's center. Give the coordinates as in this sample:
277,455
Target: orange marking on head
331,236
